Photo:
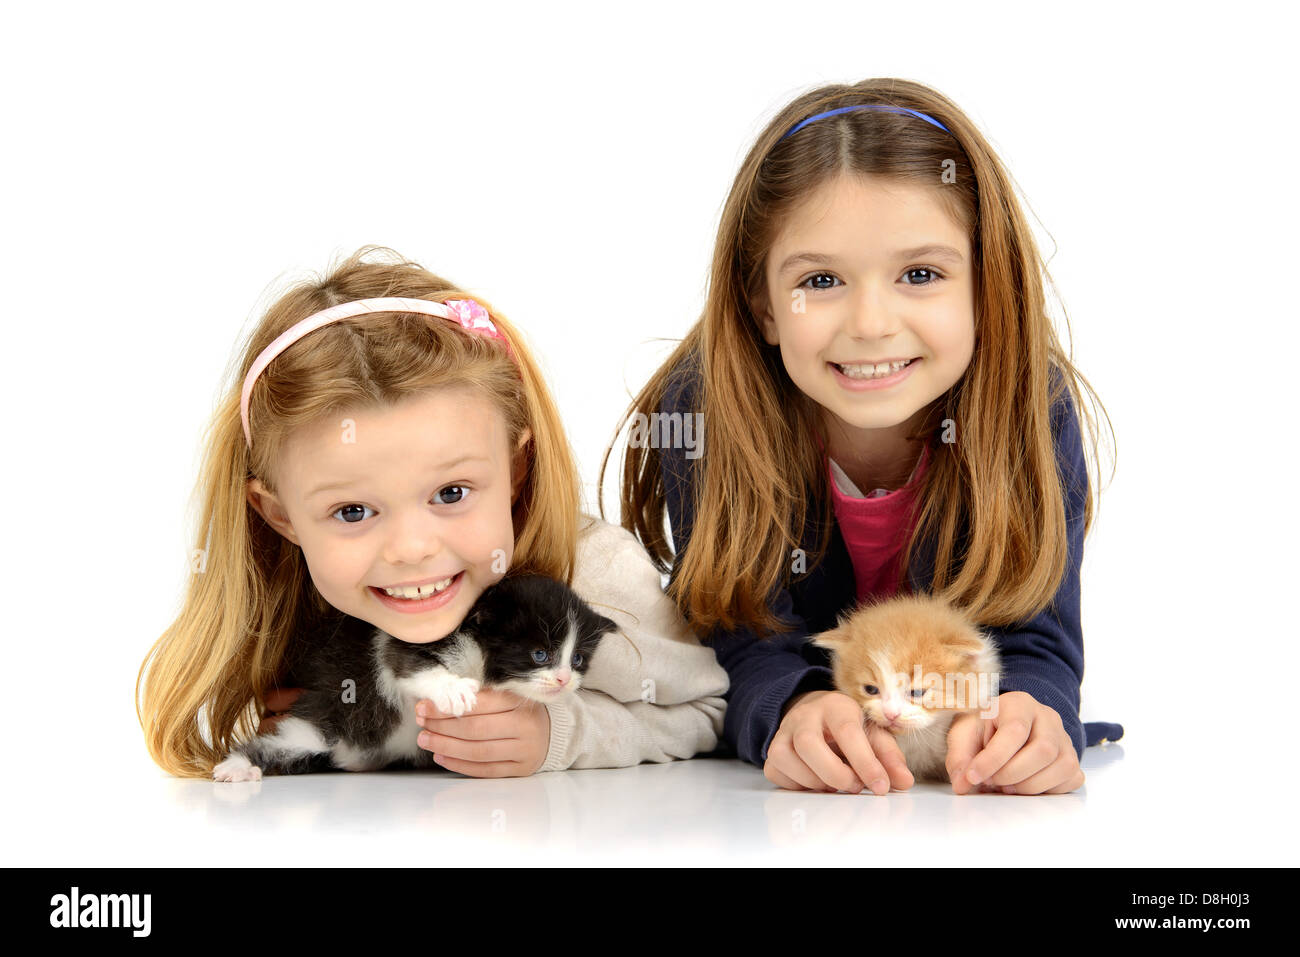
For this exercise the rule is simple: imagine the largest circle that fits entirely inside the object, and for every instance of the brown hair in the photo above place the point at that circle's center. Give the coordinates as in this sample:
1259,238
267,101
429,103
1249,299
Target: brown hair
251,590
760,481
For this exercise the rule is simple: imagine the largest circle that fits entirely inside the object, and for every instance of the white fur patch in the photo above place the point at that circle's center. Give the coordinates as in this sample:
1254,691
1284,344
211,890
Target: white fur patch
925,749
464,657
236,768
450,692
351,758
293,737
297,736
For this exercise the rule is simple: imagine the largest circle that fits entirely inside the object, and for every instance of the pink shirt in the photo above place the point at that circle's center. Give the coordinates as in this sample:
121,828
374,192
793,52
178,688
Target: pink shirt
875,527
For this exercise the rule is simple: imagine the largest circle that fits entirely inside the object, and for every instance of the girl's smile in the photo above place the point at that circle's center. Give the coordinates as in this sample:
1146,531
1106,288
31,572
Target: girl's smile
419,602
861,377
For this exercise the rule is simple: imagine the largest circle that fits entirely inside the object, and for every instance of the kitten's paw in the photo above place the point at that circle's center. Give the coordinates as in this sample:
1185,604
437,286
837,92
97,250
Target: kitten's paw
454,694
236,768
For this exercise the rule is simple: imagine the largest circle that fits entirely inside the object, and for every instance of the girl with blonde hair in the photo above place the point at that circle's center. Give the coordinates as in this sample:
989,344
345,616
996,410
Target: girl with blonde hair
387,429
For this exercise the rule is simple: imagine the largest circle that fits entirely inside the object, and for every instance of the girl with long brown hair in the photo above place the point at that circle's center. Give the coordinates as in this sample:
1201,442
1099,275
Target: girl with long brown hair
884,407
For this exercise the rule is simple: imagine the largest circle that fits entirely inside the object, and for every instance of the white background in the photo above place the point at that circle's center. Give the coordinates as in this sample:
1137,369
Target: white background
165,171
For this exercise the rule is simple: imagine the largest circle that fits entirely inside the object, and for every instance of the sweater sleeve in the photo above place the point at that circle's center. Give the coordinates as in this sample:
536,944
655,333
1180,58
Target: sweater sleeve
764,673
652,692
1043,656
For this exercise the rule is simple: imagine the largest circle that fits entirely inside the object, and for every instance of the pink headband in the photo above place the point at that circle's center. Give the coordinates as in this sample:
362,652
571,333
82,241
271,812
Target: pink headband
467,313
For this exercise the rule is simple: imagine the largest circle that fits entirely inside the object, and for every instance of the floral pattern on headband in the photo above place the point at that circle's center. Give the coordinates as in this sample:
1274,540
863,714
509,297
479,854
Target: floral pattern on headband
472,316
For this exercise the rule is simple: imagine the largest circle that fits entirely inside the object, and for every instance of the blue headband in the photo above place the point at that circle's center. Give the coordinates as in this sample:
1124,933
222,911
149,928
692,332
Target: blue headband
866,106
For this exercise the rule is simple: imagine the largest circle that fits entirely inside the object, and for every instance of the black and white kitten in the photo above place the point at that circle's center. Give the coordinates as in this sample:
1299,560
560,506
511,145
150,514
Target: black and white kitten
530,635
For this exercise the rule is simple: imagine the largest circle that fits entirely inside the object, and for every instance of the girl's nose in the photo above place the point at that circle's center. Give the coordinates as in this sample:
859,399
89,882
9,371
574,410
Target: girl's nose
868,316
414,540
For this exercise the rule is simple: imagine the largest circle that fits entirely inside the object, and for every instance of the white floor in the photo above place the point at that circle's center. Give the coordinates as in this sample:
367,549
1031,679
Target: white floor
1132,811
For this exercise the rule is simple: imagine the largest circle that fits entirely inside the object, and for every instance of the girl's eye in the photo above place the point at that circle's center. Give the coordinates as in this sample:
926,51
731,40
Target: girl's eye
818,276
540,656
924,276
923,269
350,509
454,493
871,689
457,492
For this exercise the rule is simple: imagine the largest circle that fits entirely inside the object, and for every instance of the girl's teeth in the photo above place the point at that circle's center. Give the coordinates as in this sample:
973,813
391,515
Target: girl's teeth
872,371
421,591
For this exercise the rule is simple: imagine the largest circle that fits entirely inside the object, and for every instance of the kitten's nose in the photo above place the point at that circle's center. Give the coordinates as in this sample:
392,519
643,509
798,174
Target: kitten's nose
563,676
890,713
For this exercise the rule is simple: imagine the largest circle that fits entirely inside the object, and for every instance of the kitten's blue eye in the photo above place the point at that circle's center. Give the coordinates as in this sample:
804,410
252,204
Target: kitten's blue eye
577,660
871,689
346,508
918,692
541,656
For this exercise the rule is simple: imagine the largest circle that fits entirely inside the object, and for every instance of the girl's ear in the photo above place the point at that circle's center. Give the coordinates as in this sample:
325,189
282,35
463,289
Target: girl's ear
519,464
767,323
265,503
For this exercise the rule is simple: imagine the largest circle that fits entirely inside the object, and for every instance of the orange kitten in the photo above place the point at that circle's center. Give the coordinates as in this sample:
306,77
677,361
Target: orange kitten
914,662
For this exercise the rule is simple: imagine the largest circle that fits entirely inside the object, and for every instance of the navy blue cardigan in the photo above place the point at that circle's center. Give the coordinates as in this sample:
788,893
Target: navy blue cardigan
1042,656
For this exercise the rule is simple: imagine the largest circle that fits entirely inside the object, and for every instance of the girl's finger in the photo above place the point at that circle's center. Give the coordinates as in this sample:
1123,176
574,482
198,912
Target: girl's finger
475,727
885,747
784,760
475,769
1056,775
1040,752
1072,785
832,773
477,751
965,739
1007,740
486,701
857,752
774,775
282,699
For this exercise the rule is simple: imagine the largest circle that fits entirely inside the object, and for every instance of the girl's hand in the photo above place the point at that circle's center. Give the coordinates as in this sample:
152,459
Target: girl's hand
505,736
1024,749
278,701
820,731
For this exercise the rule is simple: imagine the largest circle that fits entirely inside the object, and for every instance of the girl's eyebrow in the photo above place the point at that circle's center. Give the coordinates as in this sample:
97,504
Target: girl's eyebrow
930,250
445,466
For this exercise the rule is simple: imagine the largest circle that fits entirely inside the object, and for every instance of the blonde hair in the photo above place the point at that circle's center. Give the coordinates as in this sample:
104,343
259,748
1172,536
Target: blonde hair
761,479
252,591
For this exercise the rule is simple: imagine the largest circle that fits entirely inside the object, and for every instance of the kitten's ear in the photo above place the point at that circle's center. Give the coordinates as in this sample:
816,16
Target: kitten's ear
477,616
986,656
830,639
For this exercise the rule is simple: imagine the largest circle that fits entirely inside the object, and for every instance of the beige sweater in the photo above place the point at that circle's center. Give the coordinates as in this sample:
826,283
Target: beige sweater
653,697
